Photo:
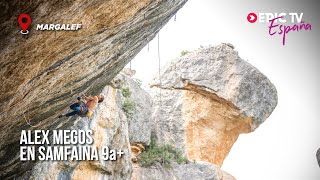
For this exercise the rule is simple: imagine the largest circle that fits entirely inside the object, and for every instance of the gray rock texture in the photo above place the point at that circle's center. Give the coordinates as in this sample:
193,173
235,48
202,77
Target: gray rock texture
140,125
199,171
42,72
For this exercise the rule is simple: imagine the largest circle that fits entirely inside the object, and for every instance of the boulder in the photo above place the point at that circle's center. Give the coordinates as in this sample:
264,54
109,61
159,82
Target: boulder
206,98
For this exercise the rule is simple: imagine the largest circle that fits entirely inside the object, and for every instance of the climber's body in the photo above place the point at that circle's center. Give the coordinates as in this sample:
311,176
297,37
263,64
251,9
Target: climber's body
84,109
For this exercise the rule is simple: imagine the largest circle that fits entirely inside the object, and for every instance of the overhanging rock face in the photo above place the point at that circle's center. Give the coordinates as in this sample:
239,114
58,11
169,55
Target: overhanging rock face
43,72
109,125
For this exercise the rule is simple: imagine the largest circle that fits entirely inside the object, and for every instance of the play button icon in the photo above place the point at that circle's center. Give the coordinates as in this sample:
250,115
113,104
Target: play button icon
252,17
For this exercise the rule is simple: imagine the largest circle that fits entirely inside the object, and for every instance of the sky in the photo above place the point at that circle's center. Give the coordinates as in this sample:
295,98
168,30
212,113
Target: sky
284,147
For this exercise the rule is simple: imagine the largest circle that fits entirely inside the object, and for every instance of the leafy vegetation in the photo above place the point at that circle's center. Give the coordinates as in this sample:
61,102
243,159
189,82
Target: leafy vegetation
164,155
125,91
128,105
184,52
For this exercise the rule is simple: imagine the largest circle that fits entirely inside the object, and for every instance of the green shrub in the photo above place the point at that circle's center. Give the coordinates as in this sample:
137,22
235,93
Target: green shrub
126,92
128,107
164,155
184,52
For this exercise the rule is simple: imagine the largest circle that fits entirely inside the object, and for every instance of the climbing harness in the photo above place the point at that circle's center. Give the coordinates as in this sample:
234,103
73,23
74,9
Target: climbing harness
84,111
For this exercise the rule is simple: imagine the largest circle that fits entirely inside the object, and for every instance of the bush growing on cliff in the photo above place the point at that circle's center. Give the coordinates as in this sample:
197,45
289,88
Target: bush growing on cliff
164,155
128,105
184,52
126,92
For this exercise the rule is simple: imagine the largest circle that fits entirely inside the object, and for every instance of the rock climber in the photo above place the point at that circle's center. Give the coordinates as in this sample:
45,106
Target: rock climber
85,106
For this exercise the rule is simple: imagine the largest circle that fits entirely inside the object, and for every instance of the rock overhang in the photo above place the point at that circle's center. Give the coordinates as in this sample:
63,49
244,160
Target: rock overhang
219,70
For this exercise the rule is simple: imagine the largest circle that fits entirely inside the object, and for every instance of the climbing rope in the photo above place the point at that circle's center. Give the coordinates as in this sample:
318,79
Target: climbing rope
159,74
28,121
160,98
130,65
159,64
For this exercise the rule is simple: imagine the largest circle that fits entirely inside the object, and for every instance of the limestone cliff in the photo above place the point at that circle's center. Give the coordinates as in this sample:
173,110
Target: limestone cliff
43,72
140,127
110,128
200,104
205,99
193,119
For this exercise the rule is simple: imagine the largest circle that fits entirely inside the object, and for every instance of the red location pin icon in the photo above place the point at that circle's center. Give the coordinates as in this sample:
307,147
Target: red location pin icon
24,21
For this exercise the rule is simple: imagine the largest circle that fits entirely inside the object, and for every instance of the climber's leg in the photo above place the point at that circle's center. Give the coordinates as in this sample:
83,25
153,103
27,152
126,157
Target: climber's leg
76,107
72,113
